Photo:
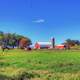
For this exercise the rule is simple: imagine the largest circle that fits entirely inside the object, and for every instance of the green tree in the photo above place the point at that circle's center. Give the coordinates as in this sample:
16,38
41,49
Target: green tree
12,39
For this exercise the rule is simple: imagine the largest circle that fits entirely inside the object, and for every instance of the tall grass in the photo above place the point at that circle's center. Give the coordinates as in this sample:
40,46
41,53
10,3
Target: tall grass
41,64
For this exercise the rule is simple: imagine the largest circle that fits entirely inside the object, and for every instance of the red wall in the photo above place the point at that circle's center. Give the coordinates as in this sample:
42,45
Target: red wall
37,46
59,47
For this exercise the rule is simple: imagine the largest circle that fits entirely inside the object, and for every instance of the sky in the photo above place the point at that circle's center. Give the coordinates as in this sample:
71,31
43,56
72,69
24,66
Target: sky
41,19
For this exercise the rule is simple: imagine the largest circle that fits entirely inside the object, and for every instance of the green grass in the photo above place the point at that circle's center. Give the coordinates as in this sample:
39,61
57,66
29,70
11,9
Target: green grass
40,64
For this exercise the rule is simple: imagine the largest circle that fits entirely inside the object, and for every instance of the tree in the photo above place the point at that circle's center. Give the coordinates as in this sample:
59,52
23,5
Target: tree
70,43
12,39
1,37
24,43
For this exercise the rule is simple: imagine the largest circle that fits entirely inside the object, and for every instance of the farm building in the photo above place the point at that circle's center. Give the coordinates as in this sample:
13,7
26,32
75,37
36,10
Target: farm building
59,47
47,45
42,45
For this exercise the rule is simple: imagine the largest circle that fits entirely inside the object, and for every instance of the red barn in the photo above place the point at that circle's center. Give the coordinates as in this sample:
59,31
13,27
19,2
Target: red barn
59,46
41,45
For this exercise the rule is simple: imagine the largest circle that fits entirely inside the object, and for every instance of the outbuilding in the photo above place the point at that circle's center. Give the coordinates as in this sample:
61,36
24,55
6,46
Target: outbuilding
42,45
60,46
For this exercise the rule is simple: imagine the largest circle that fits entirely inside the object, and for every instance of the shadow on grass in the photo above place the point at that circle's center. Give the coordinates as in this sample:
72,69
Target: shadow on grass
23,76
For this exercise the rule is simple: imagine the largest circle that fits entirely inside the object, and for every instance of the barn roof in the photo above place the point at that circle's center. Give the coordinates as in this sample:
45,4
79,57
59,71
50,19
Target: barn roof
44,43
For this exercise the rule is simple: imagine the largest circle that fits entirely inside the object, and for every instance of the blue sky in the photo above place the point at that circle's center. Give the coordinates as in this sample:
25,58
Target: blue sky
41,19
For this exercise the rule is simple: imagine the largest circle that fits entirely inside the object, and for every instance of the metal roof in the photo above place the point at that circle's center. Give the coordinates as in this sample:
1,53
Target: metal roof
44,43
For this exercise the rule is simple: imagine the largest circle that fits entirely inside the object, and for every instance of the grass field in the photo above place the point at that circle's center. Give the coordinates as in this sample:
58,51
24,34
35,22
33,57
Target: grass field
40,65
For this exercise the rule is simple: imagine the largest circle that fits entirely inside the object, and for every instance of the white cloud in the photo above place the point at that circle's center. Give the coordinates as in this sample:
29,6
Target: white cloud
39,21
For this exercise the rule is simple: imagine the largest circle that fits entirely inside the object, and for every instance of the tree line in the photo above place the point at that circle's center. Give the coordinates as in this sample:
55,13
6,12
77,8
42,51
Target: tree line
14,40
71,42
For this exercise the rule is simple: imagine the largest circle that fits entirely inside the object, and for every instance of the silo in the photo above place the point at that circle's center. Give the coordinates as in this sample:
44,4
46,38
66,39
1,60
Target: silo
53,42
